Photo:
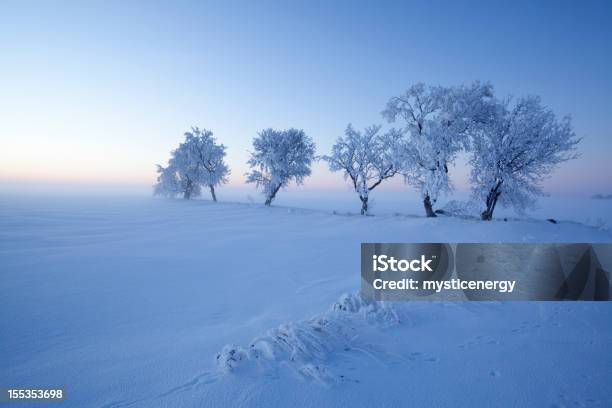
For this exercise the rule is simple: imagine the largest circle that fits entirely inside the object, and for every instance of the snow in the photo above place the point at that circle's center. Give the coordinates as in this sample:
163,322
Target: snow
128,300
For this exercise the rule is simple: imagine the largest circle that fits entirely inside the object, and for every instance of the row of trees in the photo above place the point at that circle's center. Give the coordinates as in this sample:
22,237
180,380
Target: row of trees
513,145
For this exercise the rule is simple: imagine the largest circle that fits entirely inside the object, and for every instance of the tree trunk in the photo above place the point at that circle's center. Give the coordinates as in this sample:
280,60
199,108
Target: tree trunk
428,207
188,189
492,197
212,193
272,195
364,205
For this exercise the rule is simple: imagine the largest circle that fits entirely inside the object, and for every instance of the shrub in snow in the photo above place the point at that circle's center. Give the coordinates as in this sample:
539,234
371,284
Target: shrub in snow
280,156
438,122
231,357
198,161
306,345
366,158
519,146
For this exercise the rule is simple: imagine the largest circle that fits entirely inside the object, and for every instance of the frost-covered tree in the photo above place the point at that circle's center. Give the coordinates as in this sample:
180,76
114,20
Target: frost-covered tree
438,123
516,150
198,161
366,158
208,157
168,184
179,177
280,156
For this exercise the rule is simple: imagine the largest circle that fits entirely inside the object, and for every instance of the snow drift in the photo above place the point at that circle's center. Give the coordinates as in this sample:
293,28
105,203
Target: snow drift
305,345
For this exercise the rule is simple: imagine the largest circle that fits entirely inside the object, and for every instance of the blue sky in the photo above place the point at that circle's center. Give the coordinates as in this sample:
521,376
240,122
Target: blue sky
100,92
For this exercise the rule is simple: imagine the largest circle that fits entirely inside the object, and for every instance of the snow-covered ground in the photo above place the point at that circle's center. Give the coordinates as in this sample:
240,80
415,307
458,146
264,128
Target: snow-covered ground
135,301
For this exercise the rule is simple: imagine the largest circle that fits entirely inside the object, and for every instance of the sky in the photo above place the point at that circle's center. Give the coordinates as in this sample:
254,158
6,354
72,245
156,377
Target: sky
99,92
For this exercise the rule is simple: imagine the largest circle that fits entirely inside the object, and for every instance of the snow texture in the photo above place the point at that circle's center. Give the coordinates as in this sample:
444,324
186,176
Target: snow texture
126,301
